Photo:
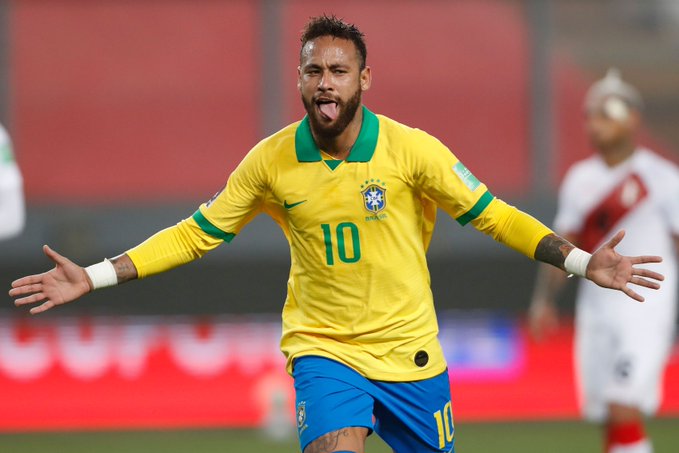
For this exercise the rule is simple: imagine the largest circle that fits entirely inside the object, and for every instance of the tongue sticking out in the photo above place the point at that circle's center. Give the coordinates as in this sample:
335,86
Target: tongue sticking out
329,110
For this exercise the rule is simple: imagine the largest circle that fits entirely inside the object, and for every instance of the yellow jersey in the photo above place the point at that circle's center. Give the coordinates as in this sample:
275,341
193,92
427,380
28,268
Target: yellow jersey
359,288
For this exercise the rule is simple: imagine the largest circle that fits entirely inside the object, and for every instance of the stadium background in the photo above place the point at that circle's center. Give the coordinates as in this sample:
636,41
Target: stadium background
126,115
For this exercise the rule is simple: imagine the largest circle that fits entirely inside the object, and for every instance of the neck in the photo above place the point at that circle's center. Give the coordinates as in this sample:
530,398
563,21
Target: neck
617,154
340,145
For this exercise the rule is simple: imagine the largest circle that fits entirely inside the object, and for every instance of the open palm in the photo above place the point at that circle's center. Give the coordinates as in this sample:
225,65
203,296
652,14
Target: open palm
65,283
608,269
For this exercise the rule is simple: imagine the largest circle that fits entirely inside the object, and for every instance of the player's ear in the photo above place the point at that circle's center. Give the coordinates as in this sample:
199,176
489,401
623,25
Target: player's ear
366,78
299,78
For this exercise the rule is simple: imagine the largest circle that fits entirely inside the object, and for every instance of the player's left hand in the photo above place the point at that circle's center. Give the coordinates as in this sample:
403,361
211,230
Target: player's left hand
609,269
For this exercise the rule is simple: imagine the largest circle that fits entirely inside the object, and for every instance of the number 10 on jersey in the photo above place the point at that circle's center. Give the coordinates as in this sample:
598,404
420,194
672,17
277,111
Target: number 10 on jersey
344,233
444,423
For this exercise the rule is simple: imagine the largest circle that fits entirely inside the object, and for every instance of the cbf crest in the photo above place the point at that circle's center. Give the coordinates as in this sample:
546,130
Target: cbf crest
374,195
301,416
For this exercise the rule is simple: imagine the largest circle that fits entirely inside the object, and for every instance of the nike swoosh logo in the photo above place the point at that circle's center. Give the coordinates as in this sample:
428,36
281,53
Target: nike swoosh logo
292,205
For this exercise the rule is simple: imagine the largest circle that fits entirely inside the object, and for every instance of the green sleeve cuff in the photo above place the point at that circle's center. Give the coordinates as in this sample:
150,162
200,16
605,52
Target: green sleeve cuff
477,209
210,229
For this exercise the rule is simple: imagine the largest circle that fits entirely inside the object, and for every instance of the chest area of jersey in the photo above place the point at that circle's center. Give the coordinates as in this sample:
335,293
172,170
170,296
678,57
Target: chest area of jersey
606,206
352,192
616,195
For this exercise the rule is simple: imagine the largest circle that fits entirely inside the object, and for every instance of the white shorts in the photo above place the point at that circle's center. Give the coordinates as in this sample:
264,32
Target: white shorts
621,350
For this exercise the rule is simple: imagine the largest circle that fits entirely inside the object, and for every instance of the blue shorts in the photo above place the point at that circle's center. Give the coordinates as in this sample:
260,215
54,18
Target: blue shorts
411,417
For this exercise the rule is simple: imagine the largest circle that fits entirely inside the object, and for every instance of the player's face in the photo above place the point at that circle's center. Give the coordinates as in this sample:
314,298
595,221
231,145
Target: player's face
607,133
331,83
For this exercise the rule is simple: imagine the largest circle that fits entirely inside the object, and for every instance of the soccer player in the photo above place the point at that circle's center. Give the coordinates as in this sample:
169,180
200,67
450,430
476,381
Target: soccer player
621,349
11,190
356,195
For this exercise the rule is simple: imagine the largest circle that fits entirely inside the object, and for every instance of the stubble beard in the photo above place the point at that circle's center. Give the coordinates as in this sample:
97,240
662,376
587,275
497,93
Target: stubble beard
329,131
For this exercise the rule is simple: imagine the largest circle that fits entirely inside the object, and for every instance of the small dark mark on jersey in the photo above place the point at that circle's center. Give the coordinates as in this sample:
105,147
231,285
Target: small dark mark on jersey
421,358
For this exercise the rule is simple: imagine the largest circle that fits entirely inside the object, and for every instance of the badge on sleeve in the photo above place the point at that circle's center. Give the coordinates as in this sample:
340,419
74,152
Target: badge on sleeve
466,176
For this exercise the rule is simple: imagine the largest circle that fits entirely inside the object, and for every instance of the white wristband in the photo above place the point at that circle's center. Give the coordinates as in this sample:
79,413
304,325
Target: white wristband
576,262
102,274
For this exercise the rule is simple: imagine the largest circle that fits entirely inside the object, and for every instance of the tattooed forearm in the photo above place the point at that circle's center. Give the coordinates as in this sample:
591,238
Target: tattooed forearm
553,250
124,267
327,443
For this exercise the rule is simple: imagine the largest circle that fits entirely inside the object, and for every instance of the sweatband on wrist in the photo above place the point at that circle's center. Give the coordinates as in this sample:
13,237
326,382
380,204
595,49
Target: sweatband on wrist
576,262
102,274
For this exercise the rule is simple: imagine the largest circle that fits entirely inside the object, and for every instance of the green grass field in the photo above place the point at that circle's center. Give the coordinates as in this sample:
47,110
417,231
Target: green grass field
538,437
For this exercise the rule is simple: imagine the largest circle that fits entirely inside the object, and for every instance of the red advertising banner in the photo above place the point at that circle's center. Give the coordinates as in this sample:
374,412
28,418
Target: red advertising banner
145,372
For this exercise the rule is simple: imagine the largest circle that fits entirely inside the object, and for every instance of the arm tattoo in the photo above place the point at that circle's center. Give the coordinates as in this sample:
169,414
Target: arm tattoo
553,250
326,443
125,270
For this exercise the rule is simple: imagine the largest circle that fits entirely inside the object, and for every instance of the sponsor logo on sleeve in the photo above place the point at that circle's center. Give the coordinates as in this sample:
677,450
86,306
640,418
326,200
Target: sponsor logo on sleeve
214,197
466,176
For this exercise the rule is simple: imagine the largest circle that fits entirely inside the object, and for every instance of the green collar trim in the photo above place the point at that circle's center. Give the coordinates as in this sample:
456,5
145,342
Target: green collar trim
332,164
362,151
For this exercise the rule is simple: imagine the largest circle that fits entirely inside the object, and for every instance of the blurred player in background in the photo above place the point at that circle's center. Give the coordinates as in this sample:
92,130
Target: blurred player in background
356,196
12,213
621,349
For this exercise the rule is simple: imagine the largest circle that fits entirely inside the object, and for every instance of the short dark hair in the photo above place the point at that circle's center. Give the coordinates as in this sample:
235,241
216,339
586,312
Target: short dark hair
337,28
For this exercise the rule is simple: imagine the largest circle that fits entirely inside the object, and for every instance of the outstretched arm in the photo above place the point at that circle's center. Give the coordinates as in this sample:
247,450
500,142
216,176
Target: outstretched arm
163,251
606,267
65,283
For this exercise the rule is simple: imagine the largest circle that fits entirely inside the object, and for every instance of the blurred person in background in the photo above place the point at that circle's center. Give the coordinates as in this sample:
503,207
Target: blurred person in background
621,349
356,195
12,213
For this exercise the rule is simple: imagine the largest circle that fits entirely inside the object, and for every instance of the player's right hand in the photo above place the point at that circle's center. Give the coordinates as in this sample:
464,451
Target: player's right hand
65,283
543,319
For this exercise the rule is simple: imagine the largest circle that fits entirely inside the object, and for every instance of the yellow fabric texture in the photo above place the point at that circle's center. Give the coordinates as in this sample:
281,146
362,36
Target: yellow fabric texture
359,287
171,247
512,227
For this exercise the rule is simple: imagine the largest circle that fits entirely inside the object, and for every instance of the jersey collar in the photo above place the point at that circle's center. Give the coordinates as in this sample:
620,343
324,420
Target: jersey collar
362,151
